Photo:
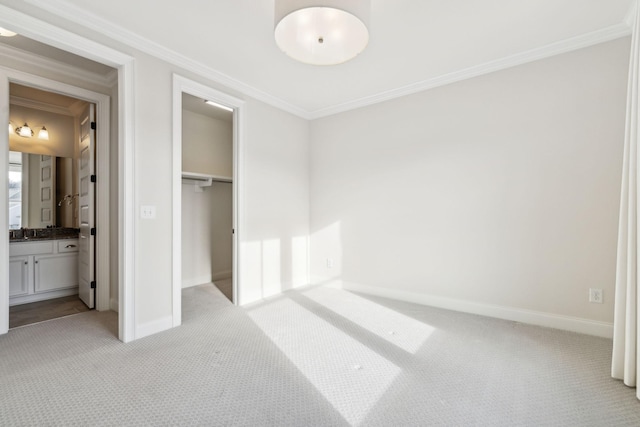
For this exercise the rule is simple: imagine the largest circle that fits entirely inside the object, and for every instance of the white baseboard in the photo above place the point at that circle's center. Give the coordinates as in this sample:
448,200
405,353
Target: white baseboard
113,304
150,328
539,318
221,275
195,281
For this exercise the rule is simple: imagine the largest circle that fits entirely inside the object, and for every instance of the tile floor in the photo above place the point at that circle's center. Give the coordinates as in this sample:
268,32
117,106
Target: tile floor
26,314
226,287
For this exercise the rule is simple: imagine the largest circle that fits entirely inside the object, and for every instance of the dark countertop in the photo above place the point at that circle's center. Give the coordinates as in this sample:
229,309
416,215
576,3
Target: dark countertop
40,234
39,239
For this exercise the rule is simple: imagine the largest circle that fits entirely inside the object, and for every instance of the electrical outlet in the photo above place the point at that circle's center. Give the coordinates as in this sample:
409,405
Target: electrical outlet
595,295
329,262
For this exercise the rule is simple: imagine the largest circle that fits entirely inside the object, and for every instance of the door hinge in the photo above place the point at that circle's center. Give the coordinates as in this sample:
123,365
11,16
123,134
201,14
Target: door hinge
93,231
93,284
233,231
93,125
93,178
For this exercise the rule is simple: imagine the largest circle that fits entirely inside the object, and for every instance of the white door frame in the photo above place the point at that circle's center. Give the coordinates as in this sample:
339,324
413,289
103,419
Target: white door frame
183,85
65,40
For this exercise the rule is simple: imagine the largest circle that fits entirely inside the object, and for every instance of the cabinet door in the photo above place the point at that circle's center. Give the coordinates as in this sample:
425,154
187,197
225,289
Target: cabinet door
18,276
55,272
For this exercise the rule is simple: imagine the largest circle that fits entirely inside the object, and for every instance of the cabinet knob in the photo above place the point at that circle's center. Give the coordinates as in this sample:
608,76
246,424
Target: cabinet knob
26,263
36,262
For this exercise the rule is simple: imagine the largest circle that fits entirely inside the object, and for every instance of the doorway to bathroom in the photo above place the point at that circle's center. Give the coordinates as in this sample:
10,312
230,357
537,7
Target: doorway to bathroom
51,225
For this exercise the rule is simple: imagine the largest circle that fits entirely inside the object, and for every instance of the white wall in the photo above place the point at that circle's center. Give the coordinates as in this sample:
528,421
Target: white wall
207,144
283,174
60,127
500,190
207,147
274,241
206,233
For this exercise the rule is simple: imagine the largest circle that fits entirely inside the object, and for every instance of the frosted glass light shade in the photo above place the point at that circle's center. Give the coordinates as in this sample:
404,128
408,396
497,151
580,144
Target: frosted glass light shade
6,33
24,131
44,133
322,32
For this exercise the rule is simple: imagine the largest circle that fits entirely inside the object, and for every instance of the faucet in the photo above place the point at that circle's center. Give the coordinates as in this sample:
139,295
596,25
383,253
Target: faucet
69,198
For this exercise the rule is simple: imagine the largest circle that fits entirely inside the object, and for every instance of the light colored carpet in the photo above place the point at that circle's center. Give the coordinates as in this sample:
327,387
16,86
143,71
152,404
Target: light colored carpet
315,357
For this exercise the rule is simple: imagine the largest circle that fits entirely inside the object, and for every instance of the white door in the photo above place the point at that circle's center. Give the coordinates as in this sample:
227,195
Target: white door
86,214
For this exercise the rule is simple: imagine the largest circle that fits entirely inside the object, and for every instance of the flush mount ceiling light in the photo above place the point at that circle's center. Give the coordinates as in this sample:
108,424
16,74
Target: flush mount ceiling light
6,33
322,32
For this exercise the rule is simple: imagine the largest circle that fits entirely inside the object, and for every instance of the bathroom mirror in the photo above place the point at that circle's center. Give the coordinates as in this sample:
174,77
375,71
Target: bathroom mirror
42,191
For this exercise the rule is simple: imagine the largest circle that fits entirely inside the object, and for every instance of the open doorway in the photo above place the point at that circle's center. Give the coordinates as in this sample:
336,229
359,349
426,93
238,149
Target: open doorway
68,57
207,194
189,91
51,205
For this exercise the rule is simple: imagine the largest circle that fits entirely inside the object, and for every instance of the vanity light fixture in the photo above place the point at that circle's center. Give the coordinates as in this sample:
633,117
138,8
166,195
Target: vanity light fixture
24,131
322,32
44,133
6,33
215,104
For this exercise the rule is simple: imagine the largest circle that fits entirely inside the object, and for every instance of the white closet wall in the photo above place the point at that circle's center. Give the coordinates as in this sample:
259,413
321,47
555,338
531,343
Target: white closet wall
207,148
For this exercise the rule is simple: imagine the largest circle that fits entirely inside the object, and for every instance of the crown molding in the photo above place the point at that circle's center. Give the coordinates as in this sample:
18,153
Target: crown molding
56,67
42,106
68,11
77,107
79,16
585,40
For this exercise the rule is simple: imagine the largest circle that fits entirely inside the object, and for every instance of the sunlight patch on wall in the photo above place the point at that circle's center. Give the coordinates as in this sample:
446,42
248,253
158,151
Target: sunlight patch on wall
271,277
398,329
348,374
300,261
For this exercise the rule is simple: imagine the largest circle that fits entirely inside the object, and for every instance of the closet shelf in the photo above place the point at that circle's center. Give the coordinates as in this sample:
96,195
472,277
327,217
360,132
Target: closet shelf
203,180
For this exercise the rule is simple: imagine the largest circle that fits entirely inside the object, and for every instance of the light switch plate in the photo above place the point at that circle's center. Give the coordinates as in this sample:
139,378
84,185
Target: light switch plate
147,212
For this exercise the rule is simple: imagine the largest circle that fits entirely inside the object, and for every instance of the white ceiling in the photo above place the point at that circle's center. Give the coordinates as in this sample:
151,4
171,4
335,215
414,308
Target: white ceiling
411,41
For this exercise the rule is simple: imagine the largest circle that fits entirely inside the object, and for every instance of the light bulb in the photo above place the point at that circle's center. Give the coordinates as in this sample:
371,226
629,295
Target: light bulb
44,133
6,33
24,131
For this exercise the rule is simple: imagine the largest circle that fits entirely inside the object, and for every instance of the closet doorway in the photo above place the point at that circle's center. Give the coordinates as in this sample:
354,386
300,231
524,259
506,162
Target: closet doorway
207,194
218,174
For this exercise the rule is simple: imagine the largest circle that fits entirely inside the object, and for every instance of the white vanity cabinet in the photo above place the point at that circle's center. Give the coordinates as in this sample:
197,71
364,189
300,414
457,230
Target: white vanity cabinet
42,269
18,276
